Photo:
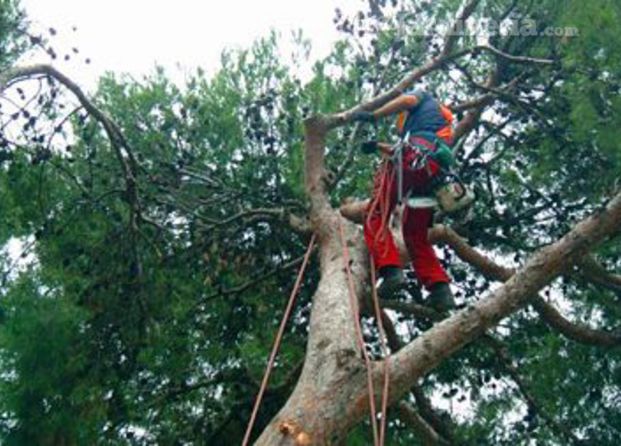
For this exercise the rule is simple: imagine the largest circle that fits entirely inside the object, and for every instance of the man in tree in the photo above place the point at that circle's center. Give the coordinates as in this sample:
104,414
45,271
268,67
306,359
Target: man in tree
427,125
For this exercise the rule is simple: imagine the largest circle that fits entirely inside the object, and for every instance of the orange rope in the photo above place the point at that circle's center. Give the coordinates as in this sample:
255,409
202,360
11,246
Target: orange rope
277,341
378,439
353,301
385,352
381,202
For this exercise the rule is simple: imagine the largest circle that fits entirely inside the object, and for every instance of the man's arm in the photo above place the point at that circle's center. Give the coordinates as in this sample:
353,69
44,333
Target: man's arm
369,147
397,105
401,103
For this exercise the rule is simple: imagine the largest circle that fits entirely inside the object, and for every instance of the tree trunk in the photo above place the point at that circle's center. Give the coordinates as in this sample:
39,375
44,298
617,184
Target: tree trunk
331,395
333,379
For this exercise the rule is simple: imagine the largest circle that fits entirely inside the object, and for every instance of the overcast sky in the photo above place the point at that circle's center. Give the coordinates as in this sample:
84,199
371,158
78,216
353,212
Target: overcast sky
132,35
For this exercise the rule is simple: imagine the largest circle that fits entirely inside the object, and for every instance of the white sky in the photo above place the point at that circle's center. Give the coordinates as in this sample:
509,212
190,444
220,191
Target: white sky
132,35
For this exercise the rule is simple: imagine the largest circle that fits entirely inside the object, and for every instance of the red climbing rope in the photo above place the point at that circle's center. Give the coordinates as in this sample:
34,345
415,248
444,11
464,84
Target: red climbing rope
385,353
353,301
277,341
378,438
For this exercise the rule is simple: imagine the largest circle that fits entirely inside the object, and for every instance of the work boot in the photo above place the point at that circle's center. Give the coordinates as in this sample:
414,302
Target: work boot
441,297
392,281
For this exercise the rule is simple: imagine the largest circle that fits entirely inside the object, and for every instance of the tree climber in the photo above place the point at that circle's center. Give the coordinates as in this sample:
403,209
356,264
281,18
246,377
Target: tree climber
425,125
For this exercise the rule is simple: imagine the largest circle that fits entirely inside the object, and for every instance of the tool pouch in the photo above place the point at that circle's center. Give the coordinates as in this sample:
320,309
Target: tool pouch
454,196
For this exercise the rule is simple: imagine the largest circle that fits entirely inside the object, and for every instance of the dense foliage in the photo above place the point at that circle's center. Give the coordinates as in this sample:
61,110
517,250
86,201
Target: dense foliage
143,313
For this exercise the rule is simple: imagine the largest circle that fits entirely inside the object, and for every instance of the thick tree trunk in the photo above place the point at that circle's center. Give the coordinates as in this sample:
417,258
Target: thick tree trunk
334,377
331,394
333,369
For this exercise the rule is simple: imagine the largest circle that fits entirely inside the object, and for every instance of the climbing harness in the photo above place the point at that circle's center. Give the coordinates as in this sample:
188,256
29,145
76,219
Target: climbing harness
418,166
277,341
447,192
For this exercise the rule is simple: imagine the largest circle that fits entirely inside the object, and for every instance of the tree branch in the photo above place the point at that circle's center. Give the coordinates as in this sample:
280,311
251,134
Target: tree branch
412,308
483,100
490,269
511,57
450,335
119,144
596,273
427,433
112,130
394,342
470,121
445,56
550,315
427,414
573,331
249,216
454,32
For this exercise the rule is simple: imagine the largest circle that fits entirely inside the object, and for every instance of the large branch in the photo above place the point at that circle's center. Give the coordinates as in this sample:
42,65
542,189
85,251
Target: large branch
550,315
354,211
445,338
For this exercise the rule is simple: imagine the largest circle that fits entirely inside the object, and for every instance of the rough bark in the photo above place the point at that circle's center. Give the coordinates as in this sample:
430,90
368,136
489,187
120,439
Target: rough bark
333,365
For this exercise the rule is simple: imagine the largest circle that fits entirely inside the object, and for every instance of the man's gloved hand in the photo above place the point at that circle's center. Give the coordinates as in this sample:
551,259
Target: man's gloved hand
363,116
369,147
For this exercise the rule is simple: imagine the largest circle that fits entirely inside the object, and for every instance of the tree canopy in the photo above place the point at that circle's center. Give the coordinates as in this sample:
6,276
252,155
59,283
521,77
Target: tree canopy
160,227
